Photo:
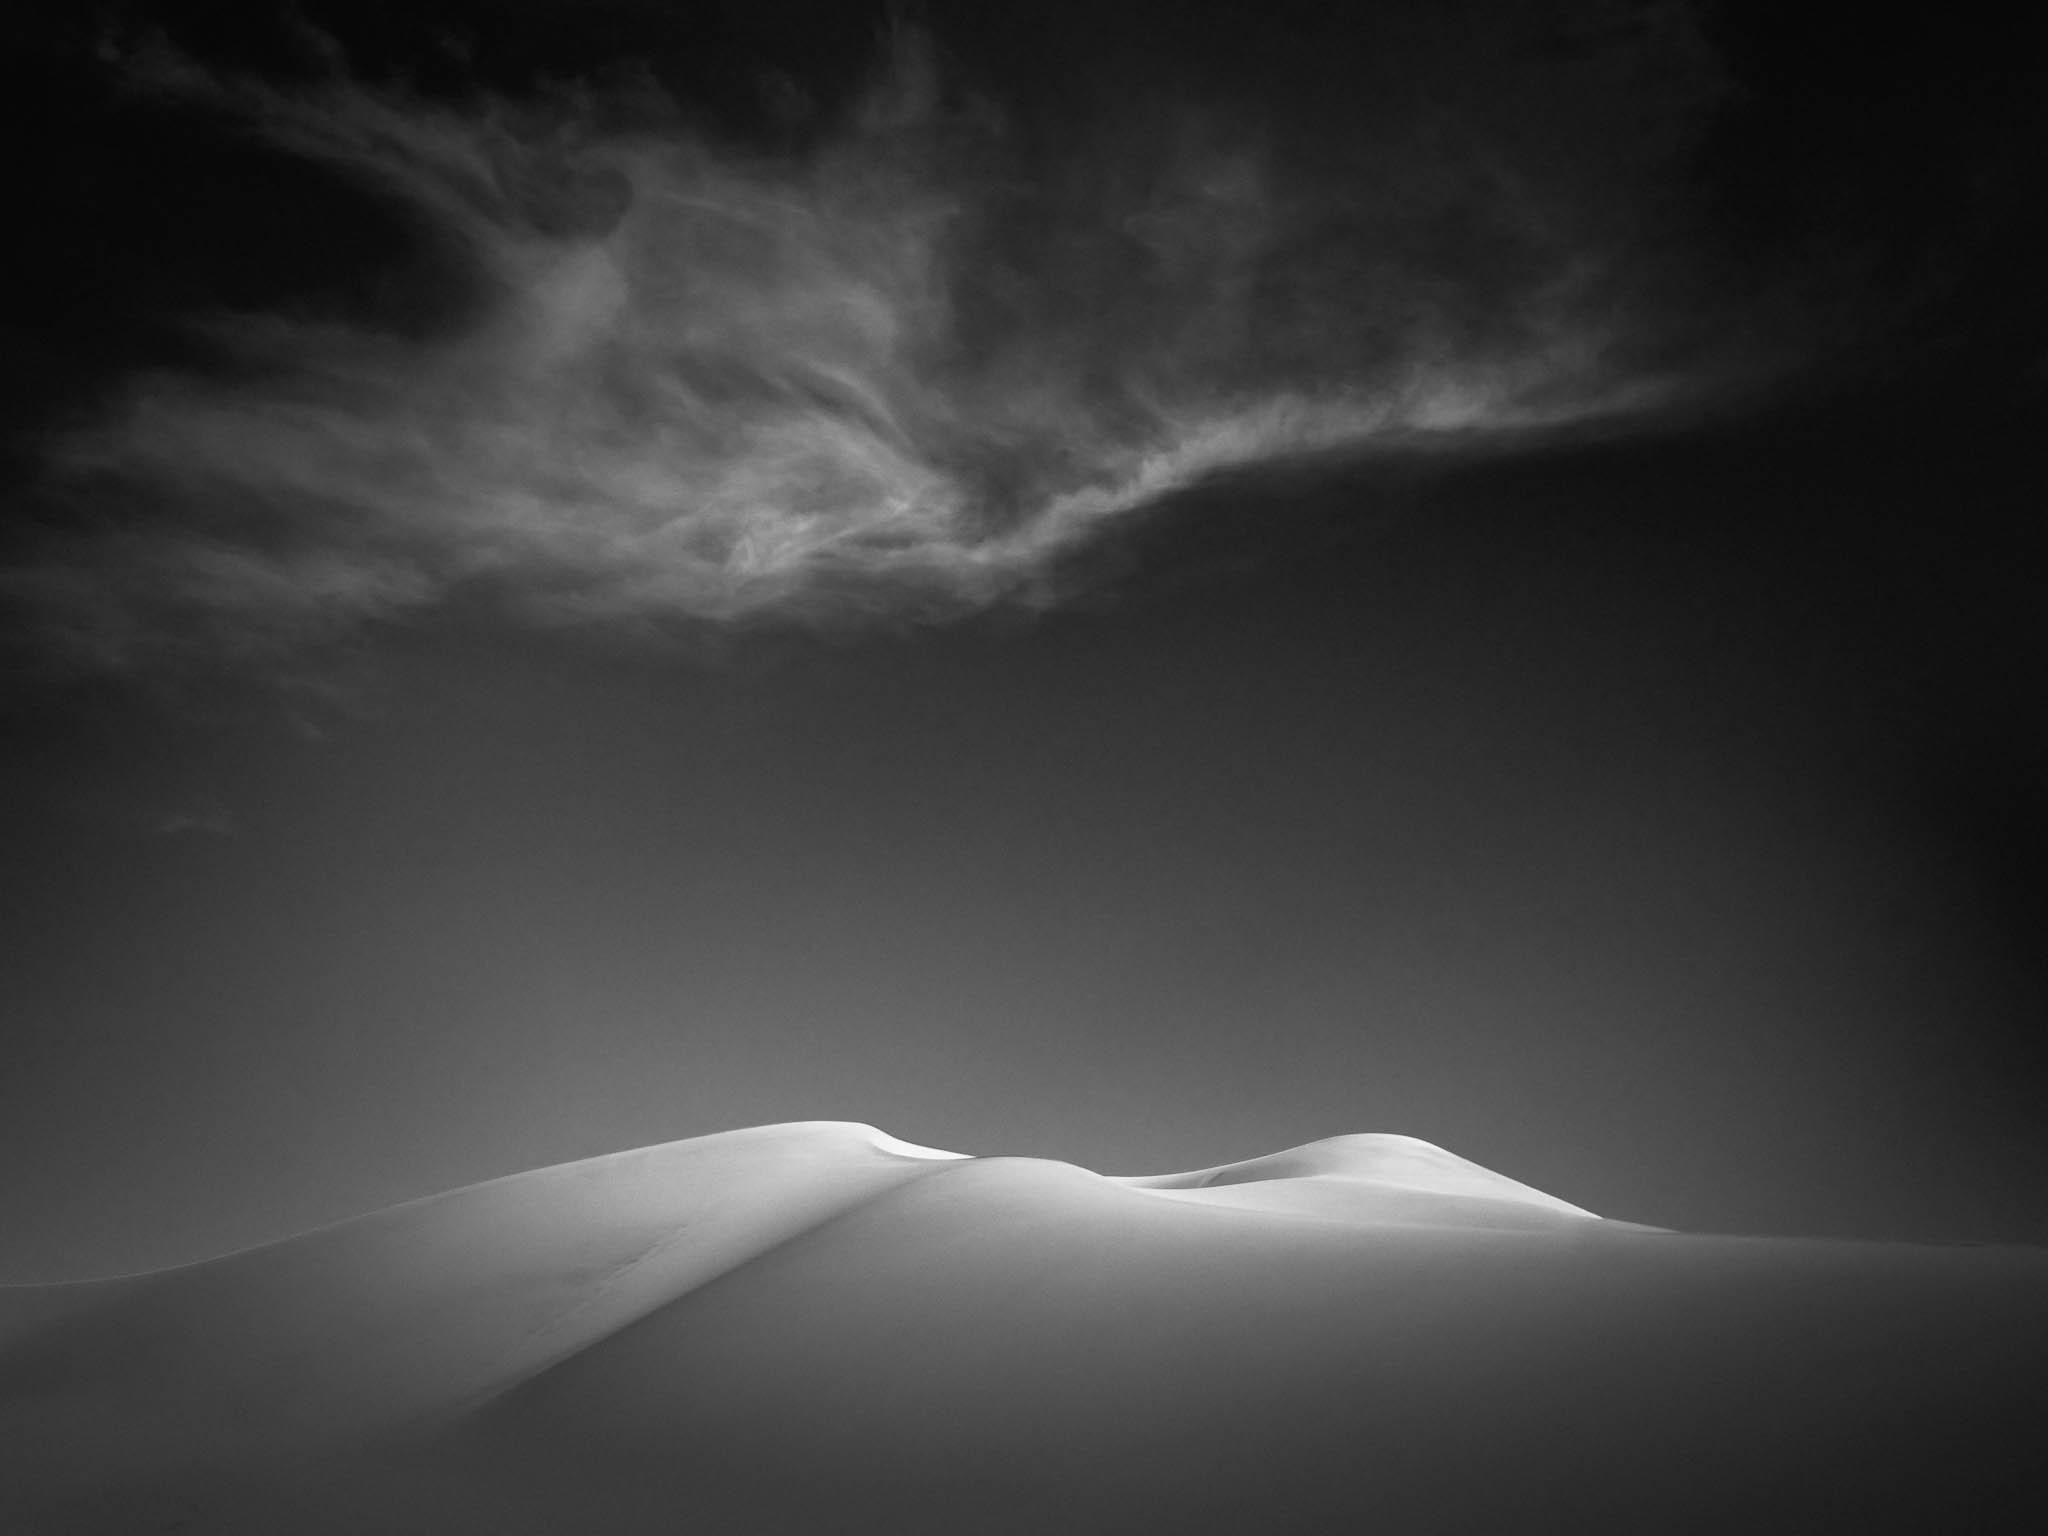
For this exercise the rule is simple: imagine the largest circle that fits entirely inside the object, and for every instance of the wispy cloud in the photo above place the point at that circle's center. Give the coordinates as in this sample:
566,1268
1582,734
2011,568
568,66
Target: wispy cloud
905,370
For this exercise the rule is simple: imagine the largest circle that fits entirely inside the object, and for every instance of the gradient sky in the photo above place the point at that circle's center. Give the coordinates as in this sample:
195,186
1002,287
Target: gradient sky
1636,788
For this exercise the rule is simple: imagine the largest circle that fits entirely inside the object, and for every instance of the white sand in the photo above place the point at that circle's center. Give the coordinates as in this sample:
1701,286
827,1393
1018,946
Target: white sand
817,1327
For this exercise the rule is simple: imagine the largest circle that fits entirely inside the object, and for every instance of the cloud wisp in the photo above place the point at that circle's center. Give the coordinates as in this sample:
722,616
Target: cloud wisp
904,369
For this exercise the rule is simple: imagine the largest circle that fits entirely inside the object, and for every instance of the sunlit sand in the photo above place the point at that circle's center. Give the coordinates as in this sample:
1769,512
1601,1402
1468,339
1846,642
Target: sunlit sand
819,1327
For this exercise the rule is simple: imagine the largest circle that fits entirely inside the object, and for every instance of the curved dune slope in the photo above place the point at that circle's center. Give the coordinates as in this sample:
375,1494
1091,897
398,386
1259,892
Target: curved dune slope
1380,1178
820,1328
411,1308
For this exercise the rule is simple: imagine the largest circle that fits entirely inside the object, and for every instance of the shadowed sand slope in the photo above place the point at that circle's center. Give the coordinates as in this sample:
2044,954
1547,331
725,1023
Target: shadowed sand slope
820,1328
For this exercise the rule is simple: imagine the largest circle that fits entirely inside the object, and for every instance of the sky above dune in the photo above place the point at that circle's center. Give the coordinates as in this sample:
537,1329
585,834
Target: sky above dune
903,359
1116,585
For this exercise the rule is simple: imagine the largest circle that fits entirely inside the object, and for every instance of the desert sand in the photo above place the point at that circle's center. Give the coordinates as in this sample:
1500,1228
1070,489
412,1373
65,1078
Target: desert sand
820,1328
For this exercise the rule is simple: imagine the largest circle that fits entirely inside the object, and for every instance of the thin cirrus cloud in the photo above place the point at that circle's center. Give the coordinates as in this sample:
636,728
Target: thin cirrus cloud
904,370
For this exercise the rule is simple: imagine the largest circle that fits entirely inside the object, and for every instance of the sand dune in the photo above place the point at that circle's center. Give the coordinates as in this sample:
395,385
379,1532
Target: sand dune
820,1328
1395,1180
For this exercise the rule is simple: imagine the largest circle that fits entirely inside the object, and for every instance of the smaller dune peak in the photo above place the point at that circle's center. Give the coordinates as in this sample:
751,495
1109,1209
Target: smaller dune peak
1378,1160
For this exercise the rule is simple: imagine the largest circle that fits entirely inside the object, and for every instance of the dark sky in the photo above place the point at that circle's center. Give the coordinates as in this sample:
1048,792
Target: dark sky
1172,583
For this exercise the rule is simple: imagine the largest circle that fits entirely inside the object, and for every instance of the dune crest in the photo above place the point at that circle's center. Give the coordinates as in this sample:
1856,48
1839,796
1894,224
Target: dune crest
1396,1180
